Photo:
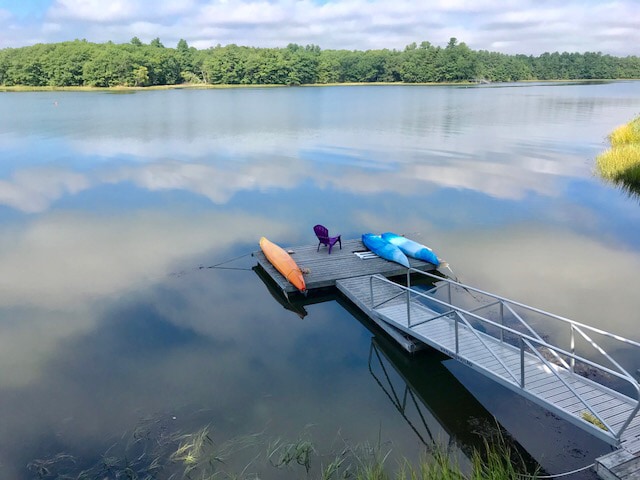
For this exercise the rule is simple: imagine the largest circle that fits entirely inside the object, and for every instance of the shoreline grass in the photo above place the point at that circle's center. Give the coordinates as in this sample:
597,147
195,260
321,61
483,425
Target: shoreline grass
621,162
210,86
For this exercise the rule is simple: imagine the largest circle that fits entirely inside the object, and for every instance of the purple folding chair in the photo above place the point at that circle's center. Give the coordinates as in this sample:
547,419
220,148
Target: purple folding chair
324,239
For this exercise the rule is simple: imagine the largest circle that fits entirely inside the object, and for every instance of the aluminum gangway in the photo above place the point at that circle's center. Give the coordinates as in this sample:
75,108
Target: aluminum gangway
551,360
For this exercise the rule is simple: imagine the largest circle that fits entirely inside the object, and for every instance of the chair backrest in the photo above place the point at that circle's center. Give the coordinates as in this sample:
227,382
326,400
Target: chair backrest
321,232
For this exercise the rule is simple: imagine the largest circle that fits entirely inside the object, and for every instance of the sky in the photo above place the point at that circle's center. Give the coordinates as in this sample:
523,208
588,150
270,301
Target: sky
529,27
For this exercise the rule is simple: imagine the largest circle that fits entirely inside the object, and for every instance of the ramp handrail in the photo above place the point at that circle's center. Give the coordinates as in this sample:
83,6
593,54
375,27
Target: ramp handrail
528,307
574,326
527,339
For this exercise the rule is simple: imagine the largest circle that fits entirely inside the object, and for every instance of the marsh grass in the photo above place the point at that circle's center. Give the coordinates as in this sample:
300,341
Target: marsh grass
625,134
437,465
156,450
499,462
282,454
621,163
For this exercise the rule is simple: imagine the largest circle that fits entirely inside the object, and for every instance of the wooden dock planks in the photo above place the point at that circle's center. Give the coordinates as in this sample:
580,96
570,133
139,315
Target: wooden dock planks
619,465
325,269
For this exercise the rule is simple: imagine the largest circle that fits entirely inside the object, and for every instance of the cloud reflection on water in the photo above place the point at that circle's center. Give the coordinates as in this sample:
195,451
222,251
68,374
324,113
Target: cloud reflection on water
207,340
97,332
63,268
133,346
492,173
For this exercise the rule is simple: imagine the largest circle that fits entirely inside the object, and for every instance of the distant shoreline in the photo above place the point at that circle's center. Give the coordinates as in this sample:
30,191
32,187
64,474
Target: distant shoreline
202,86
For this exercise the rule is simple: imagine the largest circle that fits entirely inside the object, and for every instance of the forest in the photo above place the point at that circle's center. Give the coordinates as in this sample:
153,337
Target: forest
136,64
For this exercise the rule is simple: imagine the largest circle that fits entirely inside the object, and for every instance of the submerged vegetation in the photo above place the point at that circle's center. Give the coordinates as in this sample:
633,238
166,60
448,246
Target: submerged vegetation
621,162
154,451
85,64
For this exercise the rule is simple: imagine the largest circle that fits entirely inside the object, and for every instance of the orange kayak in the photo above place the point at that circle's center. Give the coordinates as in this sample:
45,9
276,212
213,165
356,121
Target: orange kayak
283,262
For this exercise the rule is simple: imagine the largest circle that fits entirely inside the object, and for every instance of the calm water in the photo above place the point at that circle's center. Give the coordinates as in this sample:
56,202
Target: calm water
114,336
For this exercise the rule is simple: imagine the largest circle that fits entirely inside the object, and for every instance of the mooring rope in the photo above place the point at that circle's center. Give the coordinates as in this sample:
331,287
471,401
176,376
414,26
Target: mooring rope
557,475
219,265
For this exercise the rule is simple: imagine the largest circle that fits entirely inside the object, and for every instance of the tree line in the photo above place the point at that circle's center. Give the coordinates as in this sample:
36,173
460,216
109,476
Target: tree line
83,63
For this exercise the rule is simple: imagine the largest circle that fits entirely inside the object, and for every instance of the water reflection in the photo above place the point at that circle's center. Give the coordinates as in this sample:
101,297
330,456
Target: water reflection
432,414
110,204
168,141
632,190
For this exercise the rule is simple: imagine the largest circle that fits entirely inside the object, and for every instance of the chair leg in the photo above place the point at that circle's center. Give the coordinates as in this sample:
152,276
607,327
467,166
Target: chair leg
318,249
330,248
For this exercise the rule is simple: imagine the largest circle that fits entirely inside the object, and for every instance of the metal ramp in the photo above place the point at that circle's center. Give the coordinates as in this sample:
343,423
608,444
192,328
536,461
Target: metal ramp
553,361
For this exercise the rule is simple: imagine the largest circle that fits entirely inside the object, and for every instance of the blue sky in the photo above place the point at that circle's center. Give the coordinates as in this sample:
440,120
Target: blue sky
508,26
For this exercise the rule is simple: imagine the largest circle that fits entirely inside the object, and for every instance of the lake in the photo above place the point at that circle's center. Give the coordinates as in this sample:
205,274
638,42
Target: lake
132,317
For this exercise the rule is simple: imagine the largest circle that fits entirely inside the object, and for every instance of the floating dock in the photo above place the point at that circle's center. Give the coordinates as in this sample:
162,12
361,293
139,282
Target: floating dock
325,270
494,336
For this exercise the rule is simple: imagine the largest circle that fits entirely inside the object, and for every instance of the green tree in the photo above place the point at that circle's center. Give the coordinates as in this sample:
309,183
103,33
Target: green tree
110,67
417,65
134,63
329,63
226,65
185,57
141,76
301,64
65,63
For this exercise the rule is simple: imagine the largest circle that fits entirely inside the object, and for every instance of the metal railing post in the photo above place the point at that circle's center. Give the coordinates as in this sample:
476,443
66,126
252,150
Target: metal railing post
573,348
502,321
456,330
408,308
371,290
408,298
521,363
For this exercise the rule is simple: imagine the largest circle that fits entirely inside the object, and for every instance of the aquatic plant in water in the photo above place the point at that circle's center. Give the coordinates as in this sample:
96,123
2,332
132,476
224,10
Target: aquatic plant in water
157,450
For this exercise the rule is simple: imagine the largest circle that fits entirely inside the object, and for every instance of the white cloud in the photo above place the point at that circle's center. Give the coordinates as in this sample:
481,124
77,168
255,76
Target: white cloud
92,10
516,26
259,13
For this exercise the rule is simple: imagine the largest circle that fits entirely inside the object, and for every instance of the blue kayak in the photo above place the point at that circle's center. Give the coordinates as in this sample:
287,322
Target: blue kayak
411,248
384,249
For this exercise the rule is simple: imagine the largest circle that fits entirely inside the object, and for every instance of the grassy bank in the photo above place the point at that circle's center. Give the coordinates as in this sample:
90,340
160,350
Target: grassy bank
621,162
205,86
209,86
